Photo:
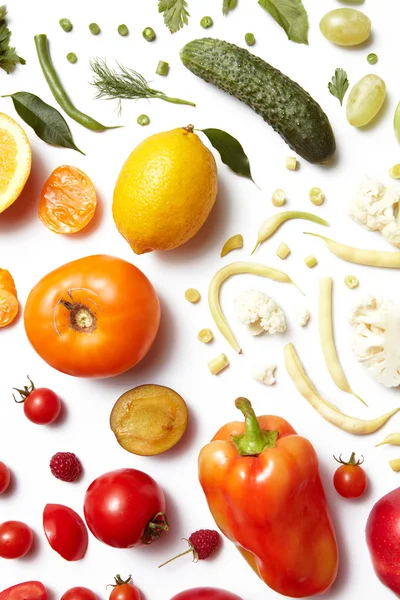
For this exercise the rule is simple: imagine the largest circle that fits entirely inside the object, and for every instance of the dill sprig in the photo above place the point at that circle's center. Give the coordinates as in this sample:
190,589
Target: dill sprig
122,83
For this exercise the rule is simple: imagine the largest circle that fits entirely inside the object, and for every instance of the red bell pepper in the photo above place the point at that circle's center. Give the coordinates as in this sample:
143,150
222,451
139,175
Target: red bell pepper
30,590
263,488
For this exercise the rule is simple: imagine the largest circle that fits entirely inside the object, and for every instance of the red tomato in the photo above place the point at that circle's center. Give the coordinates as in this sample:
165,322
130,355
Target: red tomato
29,590
93,317
125,508
41,406
16,539
79,593
206,593
350,480
5,477
65,531
124,590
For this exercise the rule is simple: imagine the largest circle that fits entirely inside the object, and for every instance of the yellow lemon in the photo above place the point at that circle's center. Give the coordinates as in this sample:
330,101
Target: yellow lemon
15,160
165,191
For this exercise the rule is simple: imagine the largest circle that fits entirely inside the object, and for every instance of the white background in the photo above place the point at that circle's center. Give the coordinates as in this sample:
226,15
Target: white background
177,359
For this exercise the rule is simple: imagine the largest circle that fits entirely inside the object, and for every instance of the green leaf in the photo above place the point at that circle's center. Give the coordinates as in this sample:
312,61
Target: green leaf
291,16
229,5
339,85
175,13
230,150
8,56
48,124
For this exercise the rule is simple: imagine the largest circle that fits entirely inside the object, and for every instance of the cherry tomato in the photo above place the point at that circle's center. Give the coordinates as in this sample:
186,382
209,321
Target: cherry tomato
350,480
5,477
41,406
29,590
16,539
124,590
65,531
68,200
125,508
79,593
93,317
206,593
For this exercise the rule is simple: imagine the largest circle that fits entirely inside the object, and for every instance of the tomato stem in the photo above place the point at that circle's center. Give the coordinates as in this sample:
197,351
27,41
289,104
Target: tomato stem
352,462
25,392
119,581
254,440
155,528
81,318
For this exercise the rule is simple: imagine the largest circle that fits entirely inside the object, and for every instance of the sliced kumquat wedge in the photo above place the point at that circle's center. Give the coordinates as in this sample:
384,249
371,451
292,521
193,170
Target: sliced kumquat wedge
68,200
8,298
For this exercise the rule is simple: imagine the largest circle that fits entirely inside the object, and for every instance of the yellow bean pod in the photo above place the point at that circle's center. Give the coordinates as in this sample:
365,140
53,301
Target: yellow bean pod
327,410
234,243
327,338
237,268
393,439
370,258
271,225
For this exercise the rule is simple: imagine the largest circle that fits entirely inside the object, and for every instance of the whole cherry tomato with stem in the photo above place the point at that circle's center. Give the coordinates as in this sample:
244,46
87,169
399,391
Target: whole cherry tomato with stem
350,480
125,508
124,589
41,406
206,593
79,593
5,477
16,539
93,317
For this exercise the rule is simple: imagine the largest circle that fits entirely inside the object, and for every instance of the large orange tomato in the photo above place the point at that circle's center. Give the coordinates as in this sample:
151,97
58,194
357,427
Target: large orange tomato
93,317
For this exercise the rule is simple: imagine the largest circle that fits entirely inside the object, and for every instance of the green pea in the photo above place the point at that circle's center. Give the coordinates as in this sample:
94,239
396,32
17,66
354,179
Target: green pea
250,39
372,58
206,22
149,34
72,57
94,29
65,25
143,120
123,30
162,68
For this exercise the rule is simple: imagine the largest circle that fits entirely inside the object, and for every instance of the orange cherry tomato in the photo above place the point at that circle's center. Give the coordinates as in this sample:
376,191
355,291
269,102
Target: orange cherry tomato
94,317
8,298
68,200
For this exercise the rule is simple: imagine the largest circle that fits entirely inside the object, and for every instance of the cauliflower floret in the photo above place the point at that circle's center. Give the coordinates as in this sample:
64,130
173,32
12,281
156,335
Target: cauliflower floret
302,315
260,313
375,340
264,373
376,208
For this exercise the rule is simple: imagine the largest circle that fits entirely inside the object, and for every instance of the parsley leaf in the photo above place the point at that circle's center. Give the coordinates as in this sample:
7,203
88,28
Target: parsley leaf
8,56
339,85
175,13
229,5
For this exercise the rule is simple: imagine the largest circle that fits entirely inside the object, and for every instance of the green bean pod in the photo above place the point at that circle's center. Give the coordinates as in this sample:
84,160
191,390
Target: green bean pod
57,89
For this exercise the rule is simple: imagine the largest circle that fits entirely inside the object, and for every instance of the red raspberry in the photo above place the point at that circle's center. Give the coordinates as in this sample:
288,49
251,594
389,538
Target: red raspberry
203,543
65,466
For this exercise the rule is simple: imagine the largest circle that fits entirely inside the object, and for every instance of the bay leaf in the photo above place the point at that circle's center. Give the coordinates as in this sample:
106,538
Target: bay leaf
48,124
230,151
229,5
291,16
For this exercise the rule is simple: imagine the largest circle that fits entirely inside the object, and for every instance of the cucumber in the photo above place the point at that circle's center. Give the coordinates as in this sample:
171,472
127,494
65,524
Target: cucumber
279,100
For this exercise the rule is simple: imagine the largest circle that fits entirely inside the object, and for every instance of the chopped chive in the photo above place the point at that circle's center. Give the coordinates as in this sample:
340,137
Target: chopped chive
149,34
250,39
162,68
123,30
94,29
72,58
143,120
206,22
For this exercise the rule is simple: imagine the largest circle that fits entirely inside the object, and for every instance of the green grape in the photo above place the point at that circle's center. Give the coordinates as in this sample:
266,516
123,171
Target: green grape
365,100
345,27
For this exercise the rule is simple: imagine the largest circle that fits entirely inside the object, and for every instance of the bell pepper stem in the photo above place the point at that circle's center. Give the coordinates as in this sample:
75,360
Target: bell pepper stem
254,440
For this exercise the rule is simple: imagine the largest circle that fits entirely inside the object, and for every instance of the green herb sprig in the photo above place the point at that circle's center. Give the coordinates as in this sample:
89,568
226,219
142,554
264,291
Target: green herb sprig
8,55
229,5
339,85
122,83
175,12
291,16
